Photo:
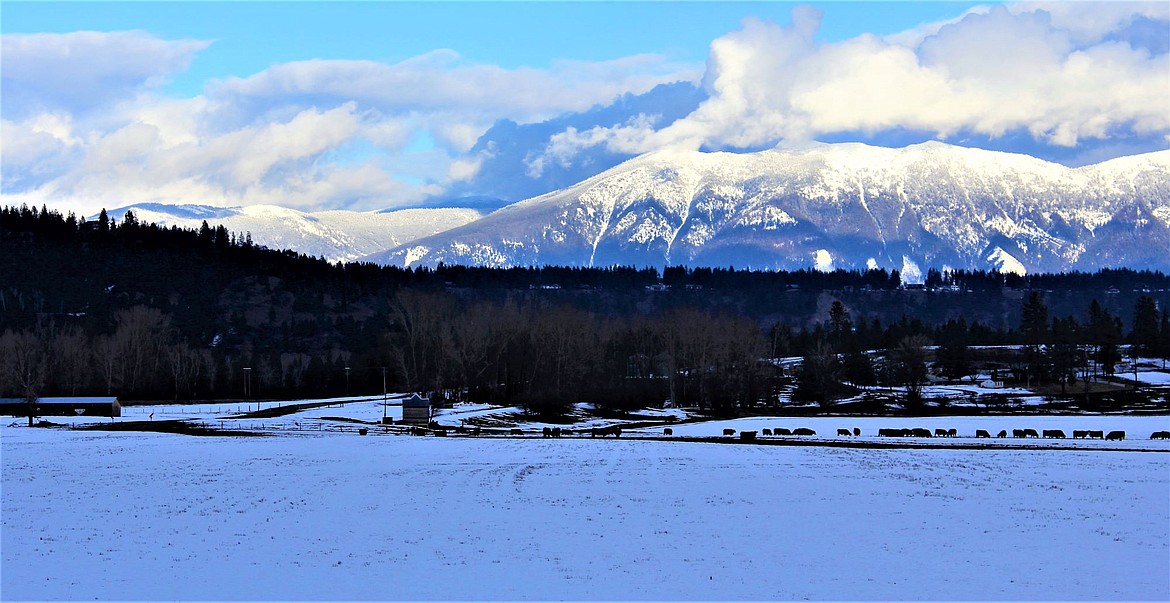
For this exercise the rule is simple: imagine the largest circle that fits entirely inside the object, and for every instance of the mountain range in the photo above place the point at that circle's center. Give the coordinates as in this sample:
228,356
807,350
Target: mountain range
336,235
832,206
820,206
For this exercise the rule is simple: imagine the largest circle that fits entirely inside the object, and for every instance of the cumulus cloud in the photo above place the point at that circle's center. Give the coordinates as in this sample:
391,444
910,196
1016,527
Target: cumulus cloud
1091,22
86,126
443,81
142,162
1063,73
84,70
85,122
563,148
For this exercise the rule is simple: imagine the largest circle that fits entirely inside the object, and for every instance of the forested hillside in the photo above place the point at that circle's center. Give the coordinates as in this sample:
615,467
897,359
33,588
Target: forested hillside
145,312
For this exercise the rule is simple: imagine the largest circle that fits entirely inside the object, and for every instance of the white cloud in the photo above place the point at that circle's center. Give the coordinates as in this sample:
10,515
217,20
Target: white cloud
443,81
1057,75
464,169
275,163
1089,22
85,70
85,125
562,148
84,122
31,140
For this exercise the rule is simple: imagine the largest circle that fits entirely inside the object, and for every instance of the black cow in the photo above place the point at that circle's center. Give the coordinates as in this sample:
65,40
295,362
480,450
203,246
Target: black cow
857,432
516,432
982,433
803,431
940,433
1080,434
889,433
747,436
728,432
766,431
668,431
1002,433
920,432
1160,435
782,431
546,432
844,432
1056,434
1019,433
1115,435
1096,435
613,430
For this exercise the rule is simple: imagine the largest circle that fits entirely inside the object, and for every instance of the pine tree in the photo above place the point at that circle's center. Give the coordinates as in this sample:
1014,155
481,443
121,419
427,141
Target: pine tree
1145,334
1034,329
1064,354
953,355
1104,334
819,374
908,366
840,327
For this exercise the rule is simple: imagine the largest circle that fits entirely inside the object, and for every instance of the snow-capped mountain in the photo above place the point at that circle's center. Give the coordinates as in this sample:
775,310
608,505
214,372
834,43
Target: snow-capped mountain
832,206
335,235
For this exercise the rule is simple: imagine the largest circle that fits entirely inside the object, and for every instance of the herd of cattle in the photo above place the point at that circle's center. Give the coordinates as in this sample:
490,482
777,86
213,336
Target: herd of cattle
556,432
920,432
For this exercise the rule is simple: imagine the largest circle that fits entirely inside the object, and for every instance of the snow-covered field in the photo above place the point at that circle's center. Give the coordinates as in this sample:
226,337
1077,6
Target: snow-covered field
322,514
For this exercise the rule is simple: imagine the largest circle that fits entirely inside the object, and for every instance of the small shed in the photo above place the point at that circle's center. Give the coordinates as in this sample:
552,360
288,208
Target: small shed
100,406
416,410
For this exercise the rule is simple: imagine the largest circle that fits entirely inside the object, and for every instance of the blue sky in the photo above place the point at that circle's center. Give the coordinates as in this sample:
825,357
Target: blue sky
250,36
370,105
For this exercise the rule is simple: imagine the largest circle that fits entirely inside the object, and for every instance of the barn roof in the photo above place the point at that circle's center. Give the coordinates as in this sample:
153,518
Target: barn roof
415,400
66,400
79,400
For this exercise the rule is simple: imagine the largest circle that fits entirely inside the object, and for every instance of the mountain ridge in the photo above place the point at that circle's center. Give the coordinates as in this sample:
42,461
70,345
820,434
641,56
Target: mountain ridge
851,204
336,235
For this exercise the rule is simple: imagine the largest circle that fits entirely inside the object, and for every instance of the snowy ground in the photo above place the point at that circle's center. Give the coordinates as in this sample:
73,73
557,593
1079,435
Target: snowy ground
1137,428
323,513
1151,377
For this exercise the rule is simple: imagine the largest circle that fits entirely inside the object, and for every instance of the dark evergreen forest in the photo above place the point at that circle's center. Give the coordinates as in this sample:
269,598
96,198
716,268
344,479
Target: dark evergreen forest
145,312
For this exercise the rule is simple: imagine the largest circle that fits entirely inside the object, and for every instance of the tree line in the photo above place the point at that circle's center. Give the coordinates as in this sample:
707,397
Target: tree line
146,312
1042,350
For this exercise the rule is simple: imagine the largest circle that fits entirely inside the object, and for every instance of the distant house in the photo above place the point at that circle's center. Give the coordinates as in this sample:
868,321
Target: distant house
416,410
102,406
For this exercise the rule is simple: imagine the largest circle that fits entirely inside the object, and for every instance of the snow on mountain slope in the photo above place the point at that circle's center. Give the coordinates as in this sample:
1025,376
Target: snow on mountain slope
335,235
925,205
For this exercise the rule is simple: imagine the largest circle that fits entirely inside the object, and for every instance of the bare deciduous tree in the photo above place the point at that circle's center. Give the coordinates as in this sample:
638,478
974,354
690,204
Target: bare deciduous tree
24,358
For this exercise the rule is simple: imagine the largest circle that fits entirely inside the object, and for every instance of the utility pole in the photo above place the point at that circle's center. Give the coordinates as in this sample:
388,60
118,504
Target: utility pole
383,395
347,381
248,385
